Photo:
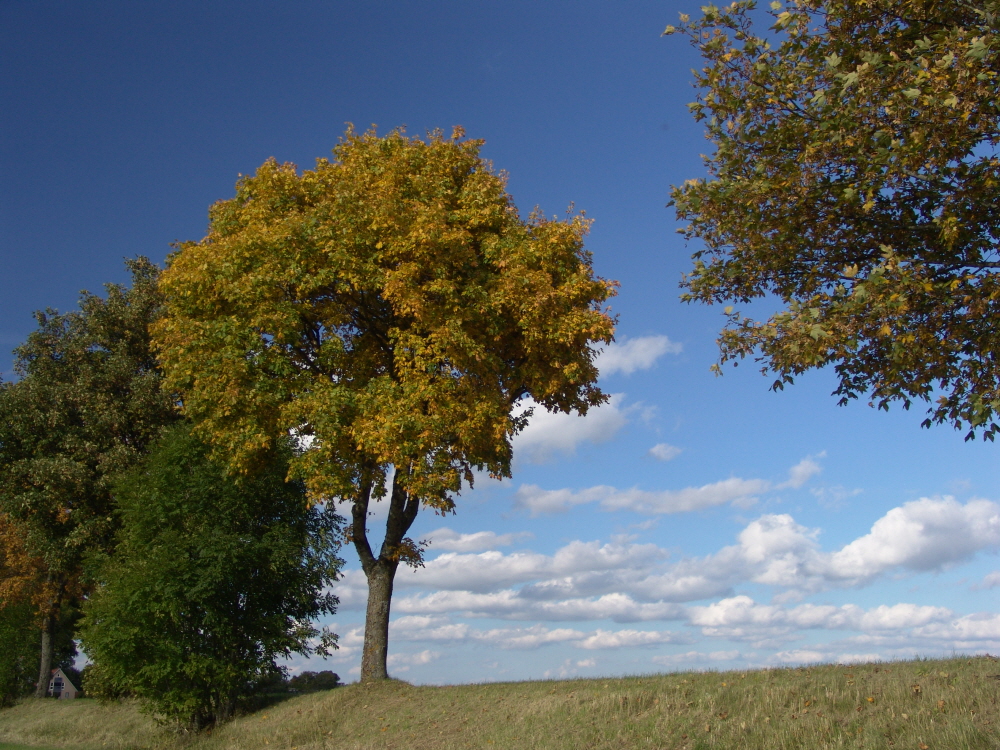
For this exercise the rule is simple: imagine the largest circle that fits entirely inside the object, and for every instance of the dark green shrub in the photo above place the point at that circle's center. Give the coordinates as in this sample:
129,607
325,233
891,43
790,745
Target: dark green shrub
211,581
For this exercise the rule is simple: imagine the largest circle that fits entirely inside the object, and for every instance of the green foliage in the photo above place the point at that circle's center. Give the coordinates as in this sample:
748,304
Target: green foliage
855,179
211,580
20,641
87,404
309,682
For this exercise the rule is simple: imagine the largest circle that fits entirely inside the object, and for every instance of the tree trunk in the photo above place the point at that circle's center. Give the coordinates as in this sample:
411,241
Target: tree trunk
380,571
45,668
373,660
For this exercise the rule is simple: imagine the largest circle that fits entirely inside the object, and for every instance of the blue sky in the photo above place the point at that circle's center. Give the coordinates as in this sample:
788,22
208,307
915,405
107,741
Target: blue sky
695,521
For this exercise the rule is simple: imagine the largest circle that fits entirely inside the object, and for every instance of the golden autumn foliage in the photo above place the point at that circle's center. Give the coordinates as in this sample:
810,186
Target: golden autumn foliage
389,304
22,575
390,307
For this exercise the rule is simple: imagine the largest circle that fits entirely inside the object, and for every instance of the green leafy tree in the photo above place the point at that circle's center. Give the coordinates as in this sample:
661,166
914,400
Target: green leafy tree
86,405
19,636
854,182
310,682
211,580
391,308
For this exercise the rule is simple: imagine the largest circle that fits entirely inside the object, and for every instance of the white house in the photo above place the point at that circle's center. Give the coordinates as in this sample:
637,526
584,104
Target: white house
61,687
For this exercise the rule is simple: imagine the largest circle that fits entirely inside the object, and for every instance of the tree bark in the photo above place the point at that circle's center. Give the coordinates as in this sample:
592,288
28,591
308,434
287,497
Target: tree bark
380,571
45,668
373,659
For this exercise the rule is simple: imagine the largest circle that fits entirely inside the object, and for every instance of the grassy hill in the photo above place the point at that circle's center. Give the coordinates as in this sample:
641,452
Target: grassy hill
918,705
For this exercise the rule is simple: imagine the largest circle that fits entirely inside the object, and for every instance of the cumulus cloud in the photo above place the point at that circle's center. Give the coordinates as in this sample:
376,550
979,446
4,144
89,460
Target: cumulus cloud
664,452
549,434
930,534
802,472
491,570
537,501
741,618
926,534
640,353
694,657
799,656
602,639
630,582
437,628
513,605
740,492
451,541
968,633
403,662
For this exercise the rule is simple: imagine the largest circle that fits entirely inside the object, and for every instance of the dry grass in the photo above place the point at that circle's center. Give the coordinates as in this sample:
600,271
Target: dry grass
939,705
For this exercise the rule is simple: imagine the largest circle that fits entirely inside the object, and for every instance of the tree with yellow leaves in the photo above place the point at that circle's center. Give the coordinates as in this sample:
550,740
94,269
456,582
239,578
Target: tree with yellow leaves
390,308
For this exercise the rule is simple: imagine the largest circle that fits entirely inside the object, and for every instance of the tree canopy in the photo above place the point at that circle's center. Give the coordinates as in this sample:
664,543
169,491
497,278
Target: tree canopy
390,307
86,405
854,181
211,580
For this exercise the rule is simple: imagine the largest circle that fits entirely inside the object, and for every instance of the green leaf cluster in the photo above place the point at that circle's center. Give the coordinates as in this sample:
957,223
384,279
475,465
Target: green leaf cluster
211,581
854,179
87,404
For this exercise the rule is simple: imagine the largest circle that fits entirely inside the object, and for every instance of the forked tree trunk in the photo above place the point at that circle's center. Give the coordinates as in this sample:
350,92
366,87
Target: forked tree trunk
380,572
45,668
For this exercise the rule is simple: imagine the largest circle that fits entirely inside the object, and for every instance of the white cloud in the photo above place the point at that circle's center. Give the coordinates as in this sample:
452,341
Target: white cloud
403,662
491,570
990,581
537,501
740,492
437,628
451,541
628,582
510,604
664,452
528,638
926,534
604,639
635,354
800,656
741,618
551,433
693,657
976,631
802,472
858,658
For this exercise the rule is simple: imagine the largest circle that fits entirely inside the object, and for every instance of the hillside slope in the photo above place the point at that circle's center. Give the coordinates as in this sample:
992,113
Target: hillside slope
941,705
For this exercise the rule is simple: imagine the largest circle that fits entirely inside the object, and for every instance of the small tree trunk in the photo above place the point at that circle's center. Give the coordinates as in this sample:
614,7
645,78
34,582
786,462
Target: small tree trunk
45,668
376,651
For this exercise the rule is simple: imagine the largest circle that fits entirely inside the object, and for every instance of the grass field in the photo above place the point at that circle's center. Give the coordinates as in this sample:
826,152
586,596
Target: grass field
918,705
